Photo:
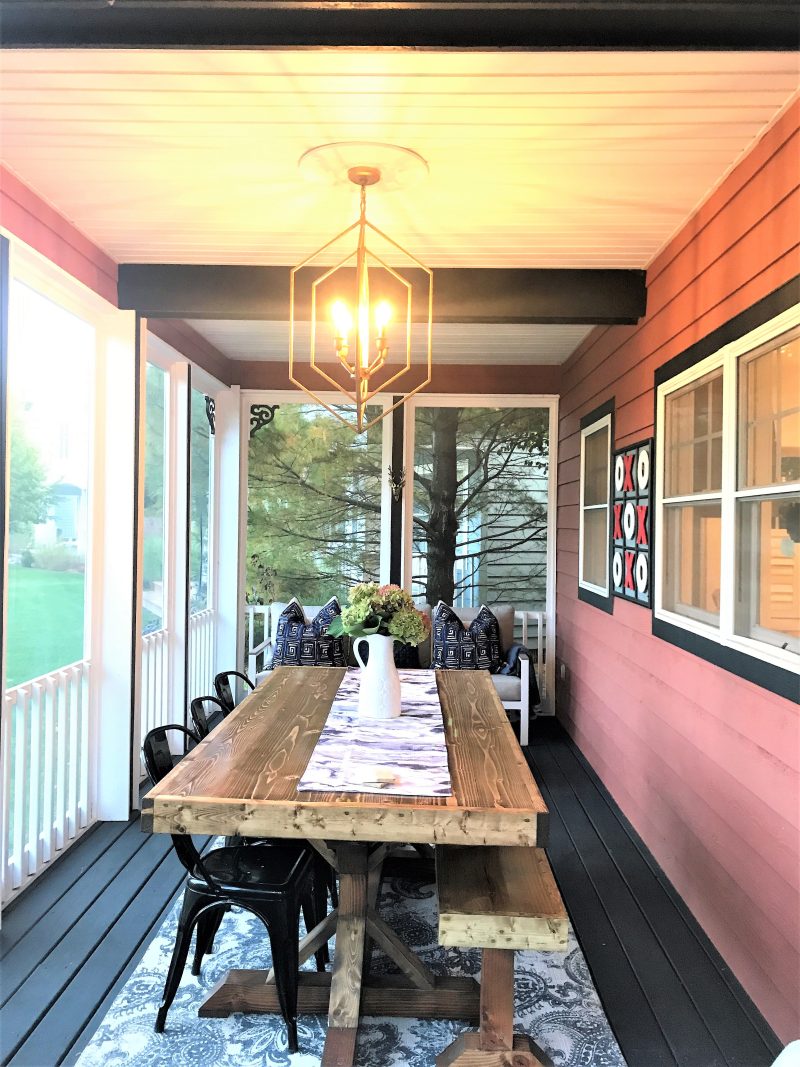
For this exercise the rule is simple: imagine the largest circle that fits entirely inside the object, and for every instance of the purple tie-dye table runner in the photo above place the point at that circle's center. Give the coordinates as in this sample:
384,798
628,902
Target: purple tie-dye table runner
405,756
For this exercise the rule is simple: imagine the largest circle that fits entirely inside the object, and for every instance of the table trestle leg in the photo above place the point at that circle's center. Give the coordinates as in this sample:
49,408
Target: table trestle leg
345,996
495,1044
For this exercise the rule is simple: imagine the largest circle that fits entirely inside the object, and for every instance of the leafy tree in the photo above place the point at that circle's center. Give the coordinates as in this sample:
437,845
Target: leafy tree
154,476
480,487
313,508
29,492
199,498
479,492
154,442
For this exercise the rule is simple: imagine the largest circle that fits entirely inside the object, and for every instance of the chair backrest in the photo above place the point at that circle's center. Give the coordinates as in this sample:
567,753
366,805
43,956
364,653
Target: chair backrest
223,687
158,760
204,722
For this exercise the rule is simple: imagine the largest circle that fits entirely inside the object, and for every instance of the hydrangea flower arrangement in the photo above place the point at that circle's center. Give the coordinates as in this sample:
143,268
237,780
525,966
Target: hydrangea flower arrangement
386,609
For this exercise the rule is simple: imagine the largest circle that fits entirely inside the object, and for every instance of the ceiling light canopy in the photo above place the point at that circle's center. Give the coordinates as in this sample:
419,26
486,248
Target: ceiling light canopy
361,303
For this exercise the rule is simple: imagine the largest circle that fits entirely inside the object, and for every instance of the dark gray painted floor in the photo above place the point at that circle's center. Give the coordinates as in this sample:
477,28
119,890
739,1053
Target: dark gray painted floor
70,941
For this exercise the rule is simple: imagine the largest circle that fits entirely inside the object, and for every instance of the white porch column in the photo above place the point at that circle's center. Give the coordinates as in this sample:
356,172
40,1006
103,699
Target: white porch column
176,526
228,542
113,557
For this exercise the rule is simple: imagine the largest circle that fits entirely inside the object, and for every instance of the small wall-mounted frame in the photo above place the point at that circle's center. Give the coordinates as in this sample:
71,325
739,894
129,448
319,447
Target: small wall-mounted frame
632,523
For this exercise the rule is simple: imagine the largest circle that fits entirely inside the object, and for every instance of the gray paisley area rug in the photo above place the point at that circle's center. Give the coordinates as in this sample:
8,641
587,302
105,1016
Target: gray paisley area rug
555,1003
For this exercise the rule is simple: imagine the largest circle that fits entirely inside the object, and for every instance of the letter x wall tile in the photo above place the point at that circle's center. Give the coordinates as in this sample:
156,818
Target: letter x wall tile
632,522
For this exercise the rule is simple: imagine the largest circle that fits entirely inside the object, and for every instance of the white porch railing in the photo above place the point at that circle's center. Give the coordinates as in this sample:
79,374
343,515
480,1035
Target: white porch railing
201,653
529,626
154,702
45,771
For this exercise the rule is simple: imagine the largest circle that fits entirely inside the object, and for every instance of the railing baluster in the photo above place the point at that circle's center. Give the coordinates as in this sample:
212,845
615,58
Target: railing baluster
85,746
21,785
5,813
34,844
73,755
157,710
48,844
62,741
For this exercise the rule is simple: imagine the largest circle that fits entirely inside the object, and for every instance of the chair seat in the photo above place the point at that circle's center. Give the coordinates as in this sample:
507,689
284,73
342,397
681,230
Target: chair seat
254,870
508,686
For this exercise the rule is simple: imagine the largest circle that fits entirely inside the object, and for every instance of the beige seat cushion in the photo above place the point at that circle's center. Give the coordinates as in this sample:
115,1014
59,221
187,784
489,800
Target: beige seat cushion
508,686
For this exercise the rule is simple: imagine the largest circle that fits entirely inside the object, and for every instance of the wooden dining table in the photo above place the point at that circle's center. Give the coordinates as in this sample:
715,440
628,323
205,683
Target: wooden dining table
242,779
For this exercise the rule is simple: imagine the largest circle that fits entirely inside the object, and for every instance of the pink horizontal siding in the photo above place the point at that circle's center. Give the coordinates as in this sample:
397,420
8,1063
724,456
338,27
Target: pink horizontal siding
39,225
704,764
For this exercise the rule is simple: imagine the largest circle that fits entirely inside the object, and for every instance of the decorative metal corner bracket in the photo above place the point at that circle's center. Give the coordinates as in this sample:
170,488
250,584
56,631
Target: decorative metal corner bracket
261,415
211,414
396,482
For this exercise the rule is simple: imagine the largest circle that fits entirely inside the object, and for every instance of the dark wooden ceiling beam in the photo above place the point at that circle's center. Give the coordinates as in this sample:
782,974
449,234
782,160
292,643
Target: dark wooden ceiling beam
606,297
734,25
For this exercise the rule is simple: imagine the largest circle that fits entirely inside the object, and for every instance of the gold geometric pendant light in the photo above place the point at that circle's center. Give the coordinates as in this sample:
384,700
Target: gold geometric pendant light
363,307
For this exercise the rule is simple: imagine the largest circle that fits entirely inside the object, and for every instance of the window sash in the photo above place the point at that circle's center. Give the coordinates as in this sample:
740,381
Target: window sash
587,431
732,359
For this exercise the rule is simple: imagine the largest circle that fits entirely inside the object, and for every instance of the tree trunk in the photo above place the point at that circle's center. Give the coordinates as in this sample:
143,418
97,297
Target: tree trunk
443,521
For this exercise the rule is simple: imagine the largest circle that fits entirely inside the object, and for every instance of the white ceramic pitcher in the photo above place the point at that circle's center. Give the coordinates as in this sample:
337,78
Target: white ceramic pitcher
379,692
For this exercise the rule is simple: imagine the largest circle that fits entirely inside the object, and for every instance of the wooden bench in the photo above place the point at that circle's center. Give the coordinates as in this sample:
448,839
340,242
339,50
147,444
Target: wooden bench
498,899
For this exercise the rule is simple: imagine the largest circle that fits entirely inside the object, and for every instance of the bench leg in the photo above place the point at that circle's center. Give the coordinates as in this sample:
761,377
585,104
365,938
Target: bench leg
495,1044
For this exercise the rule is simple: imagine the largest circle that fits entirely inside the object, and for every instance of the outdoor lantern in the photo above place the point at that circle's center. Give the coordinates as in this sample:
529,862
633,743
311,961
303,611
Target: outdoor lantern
361,308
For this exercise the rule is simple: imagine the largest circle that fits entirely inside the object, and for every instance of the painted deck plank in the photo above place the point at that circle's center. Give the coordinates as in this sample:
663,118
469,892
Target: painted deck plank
87,892
655,934
34,903
39,993
587,832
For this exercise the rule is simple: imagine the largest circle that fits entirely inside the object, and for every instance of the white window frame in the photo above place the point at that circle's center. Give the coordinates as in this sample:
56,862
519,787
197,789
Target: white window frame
730,358
109,568
287,397
489,400
605,421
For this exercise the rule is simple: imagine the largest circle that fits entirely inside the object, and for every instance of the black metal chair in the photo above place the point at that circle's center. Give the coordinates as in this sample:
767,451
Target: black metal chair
159,735
324,875
203,722
224,689
273,881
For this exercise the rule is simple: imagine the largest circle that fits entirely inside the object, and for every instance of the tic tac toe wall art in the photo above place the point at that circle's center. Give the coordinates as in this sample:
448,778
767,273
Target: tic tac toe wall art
632,522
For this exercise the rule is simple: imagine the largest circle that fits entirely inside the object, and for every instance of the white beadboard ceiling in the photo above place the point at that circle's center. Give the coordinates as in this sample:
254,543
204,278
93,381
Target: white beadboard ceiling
452,342
536,159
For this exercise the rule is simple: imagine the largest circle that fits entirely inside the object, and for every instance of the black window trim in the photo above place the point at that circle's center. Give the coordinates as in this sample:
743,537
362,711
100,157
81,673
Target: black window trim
769,676
589,596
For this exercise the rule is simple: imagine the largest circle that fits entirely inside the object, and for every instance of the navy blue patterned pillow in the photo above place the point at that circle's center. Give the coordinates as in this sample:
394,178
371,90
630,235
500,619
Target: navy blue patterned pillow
307,644
460,648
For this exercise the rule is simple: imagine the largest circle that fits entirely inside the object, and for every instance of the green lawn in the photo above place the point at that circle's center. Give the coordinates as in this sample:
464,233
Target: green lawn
45,622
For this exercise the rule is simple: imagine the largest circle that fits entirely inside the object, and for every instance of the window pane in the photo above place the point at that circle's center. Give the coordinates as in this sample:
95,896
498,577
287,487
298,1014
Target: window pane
768,545
154,480
693,446
692,560
199,503
480,506
313,506
595,467
51,383
770,407
595,547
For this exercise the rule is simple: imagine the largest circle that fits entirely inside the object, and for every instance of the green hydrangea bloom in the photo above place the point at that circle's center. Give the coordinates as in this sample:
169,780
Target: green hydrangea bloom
408,625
